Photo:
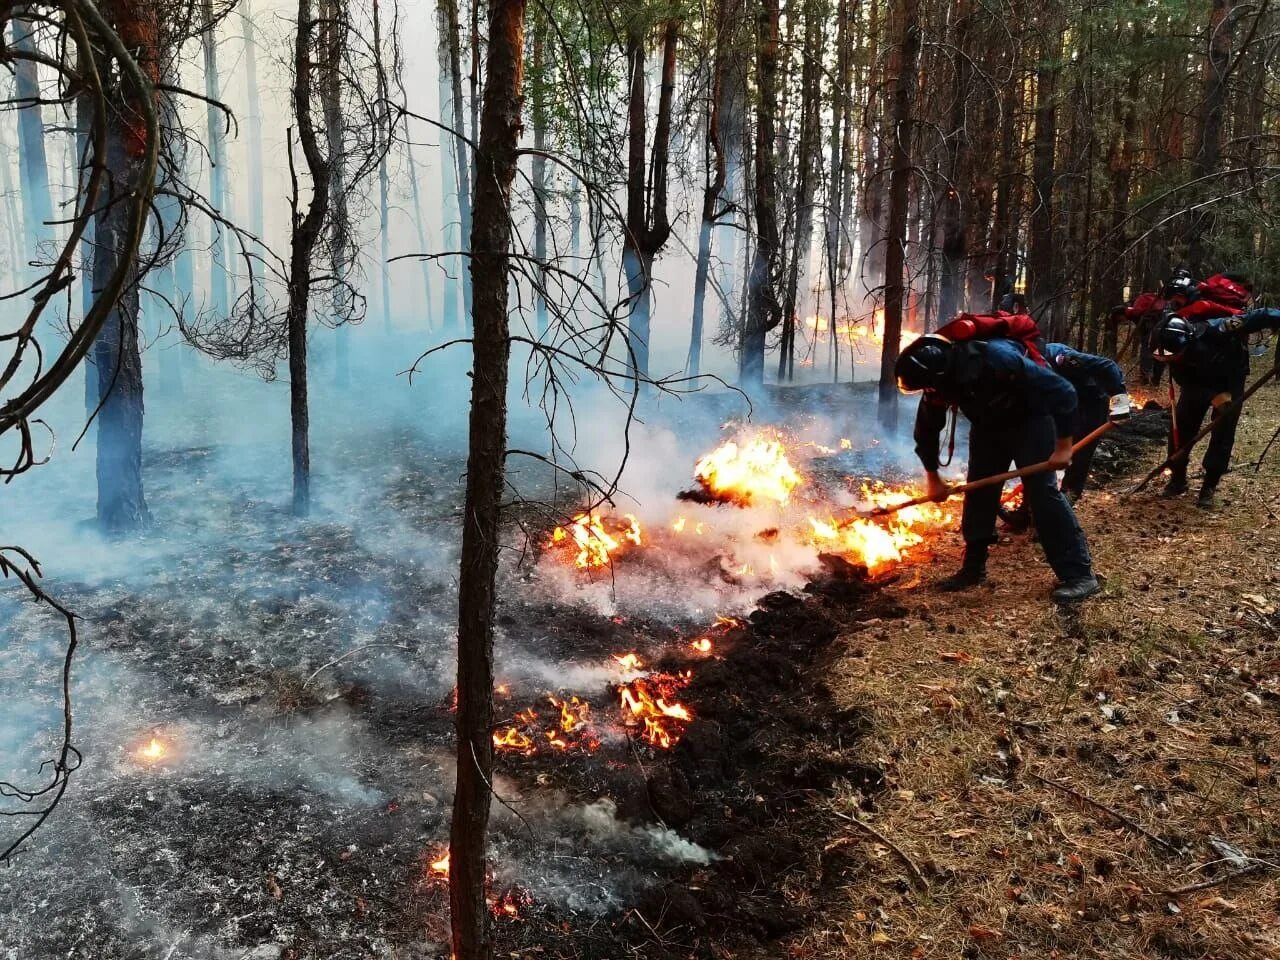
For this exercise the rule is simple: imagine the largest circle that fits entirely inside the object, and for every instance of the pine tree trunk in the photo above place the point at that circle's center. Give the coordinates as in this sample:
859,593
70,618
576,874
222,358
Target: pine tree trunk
955,193
904,90
490,242
1041,274
333,31
254,117
384,190
450,293
540,182
763,310
1209,150
449,147
306,233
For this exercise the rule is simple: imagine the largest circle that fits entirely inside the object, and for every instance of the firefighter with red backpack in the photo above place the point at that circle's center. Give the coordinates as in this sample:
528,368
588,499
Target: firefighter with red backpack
1148,312
991,369
1205,345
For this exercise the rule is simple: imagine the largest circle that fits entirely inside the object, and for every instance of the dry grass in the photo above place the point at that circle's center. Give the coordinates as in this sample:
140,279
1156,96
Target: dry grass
1159,702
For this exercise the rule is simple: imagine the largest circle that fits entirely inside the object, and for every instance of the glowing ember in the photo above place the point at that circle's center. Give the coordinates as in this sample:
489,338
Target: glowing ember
701,645
153,752
512,739
440,868
755,470
509,904
646,702
569,728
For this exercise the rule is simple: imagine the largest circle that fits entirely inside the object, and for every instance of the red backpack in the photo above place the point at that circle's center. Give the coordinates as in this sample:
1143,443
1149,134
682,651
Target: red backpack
1019,327
1220,296
1147,304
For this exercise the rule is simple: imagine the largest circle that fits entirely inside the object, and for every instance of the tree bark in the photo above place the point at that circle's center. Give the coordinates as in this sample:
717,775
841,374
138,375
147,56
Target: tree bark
449,147
384,190
1209,150
419,216
490,242
540,110
332,28
1041,274
449,30
763,309
248,32
904,90
306,232
953,203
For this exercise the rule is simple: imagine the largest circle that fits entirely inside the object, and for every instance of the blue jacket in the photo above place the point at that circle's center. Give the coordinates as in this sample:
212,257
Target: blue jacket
1088,373
994,383
1218,358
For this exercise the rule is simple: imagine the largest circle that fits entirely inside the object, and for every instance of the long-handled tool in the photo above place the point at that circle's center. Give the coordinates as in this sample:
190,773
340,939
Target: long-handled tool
999,478
1184,451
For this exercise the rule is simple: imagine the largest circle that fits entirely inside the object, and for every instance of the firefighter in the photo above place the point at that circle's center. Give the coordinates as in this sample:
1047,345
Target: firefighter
1148,312
1102,395
1019,412
1205,345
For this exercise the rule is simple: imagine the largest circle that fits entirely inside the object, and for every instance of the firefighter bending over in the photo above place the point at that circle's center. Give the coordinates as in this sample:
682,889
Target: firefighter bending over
1205,344
1019,412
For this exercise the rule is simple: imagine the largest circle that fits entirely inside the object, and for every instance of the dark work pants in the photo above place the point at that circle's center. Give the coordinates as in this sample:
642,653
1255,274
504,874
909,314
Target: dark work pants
1149,369
1194,401
1092,413
1023,442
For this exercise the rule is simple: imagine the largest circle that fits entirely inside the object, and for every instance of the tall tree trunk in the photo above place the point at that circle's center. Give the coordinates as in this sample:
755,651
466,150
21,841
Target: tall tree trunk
37,204
490,242
648,226
305,234
449,30
904,91
1209,149
841,133
419,216
1120,162
333,29
955,192
254,117
763,310
716,176
450,79
384,190
540,110
219,282
122,505
1042,294
806,163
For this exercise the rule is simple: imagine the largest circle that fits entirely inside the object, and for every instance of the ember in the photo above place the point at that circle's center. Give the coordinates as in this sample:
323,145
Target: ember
758,469
569,728
439,869
507,905
879,544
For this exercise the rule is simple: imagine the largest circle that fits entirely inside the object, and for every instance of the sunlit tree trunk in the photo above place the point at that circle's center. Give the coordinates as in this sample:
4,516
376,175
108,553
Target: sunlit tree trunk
490,243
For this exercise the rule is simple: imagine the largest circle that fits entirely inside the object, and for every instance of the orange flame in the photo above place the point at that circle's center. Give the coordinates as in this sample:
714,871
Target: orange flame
755,470
880,544
592,544
512,739
701,645
645,702
440,868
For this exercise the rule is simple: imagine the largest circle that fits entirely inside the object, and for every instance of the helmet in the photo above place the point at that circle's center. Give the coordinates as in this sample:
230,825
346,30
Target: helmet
923,363
1173,339
1181,284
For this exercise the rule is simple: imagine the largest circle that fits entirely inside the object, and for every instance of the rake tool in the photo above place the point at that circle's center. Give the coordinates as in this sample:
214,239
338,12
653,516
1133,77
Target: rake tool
999,478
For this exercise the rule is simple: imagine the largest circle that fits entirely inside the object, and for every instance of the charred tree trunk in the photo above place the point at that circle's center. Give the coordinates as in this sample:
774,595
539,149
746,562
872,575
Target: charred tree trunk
648,227
449,149
490,242
904,91
305,234
763,309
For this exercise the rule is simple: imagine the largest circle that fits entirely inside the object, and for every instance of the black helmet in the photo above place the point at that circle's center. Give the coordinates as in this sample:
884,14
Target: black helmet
1173,339
1181,284
923,363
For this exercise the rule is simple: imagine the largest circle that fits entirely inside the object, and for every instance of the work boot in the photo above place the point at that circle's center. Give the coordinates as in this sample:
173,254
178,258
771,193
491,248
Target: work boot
1176,487
1076,589
971,573
1207,496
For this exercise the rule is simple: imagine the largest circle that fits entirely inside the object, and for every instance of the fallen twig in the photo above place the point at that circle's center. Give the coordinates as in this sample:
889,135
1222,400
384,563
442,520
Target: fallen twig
338,659
917,876
1256,867
1131,824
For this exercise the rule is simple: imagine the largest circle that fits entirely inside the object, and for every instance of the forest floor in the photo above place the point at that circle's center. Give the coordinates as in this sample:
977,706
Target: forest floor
870,770
1100,783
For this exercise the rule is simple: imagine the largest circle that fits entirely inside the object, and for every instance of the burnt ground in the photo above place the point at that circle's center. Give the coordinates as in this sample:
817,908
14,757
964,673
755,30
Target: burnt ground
860,776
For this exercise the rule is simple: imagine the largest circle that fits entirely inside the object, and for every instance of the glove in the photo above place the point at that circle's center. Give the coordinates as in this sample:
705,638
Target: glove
1120,407
1221,400
1234,324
